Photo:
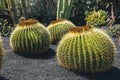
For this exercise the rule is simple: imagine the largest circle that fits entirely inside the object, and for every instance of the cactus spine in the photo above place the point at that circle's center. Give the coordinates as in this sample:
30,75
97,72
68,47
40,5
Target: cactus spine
59,28
1,53
64,8
86,49
30,37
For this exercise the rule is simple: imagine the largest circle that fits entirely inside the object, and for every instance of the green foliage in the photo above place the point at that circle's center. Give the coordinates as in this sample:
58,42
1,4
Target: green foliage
5,27
24,8
2,5
59,28
114,31
64,8
18,9
96,18
1,53
36,8
79,8
14,10
46,7
30,37
86,49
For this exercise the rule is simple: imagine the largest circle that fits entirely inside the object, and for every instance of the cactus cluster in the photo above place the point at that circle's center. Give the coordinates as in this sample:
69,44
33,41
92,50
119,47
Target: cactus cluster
1,53
30,37
86,49
59,28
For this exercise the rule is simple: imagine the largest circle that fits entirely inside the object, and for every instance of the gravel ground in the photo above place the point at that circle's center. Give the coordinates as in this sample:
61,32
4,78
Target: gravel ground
22,67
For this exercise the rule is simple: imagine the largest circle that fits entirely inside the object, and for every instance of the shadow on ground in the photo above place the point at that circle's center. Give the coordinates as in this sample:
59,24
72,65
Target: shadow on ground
113,74
3,78
48,55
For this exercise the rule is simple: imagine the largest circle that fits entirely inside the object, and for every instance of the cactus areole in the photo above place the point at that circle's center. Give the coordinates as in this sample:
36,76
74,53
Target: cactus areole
30,37
86,49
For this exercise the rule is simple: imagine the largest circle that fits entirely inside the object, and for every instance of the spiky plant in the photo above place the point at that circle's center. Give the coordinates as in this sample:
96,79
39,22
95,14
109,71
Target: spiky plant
1,53
30,37
86,49
59,28
64,8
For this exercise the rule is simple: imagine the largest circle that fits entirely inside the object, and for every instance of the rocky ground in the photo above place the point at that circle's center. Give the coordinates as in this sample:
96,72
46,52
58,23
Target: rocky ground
22,67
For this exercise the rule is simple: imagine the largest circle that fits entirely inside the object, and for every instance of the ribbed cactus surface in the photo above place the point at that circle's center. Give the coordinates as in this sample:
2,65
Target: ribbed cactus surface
64,8
30,37
59,28
86,49
1,53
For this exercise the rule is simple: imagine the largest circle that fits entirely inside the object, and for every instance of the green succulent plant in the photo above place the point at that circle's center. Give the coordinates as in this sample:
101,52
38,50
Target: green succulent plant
86,49
5,27
114,31
59,28
30,37
96,18
1,53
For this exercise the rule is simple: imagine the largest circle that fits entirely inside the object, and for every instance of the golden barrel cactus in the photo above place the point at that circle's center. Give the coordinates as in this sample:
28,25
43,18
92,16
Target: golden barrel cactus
30,37
59,28
86,49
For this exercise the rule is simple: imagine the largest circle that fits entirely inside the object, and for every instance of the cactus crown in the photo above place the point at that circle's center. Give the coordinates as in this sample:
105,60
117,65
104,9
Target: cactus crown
56,21
81,29
27,22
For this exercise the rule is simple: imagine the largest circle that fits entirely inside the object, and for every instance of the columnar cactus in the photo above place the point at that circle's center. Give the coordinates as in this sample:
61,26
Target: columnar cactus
59,28
86,49
24,9
1,53
13,11
64,8
30,37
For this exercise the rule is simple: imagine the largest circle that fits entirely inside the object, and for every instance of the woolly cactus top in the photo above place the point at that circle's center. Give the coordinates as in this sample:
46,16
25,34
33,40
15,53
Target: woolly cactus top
27,22
30,23
60,21
81,29
56,21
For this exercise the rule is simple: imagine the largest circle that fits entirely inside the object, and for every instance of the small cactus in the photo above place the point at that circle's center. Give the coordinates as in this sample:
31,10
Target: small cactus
1,53
30,37
59,28
86,49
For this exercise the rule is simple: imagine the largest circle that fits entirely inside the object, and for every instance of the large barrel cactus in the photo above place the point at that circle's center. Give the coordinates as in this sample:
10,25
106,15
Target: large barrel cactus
59,28
30,37
1,53
86,49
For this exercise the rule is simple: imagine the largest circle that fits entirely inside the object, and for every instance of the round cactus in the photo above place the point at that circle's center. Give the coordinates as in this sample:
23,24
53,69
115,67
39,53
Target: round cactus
30,37
1,53
86,49
59,28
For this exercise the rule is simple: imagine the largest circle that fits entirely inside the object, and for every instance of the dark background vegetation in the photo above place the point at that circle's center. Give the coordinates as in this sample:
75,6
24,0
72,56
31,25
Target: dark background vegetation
45,10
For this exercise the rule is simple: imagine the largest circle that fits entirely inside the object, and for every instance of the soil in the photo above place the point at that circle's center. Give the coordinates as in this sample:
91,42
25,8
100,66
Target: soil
22,67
